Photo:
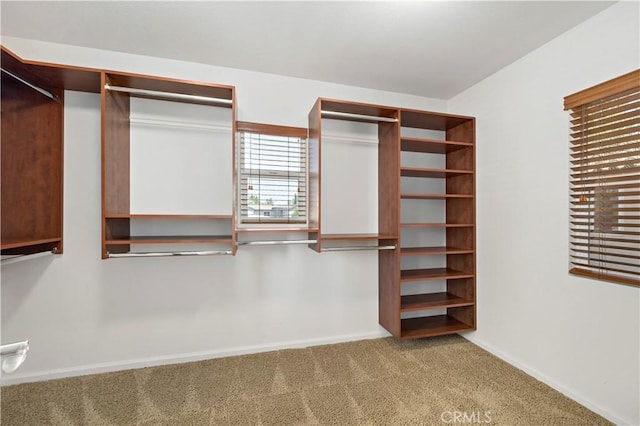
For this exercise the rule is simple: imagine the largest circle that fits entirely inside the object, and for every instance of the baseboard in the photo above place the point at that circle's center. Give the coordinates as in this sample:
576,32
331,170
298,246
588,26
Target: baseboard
109,367
571,393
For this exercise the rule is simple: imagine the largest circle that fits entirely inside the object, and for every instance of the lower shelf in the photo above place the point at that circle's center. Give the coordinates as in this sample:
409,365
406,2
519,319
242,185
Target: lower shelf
418,302
437,325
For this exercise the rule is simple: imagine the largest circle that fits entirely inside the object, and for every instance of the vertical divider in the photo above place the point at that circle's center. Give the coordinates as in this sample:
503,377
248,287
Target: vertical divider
314,155
115,162
389,224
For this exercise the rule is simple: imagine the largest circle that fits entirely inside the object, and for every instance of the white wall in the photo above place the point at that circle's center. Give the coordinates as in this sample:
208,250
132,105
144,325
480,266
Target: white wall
83,314
580,335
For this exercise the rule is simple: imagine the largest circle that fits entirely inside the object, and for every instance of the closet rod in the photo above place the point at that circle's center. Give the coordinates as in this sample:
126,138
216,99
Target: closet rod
276,242
21,257
353,248
169,95
170,253
331,114
33,86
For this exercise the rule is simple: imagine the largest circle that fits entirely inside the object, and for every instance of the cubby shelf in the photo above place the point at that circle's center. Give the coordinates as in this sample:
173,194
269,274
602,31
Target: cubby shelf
436,225
432,251
354,237
414,196
431,146
432,173
429,274
418,302
437,325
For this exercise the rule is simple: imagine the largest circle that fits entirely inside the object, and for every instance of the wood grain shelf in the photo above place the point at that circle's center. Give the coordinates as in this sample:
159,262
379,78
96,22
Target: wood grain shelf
352,237
12,243
431,146
171,239
273,230
165,216
436,225
432,173
430,274
419,302
432,251
437,325
414,196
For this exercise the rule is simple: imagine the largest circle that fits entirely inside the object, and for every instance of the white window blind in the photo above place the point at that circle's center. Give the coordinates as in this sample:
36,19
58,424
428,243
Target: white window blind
272,185
605,180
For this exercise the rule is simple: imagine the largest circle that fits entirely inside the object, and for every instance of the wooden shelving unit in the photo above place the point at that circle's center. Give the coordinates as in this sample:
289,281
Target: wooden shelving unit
31,154
388,138
118,233
407,310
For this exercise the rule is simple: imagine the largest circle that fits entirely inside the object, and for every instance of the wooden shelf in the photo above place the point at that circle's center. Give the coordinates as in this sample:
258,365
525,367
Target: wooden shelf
436,225
433,274
431,146
274,230
12,243
419,302
437,325
172,239
165,216
432,251
432,173
431,120
351,237
407,196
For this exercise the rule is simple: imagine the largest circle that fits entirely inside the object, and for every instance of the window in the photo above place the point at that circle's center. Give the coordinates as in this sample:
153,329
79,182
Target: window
605,180
272,174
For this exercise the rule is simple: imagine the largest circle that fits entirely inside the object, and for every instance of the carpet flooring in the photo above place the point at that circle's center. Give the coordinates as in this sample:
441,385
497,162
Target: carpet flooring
438,381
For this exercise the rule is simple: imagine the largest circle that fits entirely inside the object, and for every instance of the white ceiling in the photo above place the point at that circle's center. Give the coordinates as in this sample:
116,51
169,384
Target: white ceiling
429,48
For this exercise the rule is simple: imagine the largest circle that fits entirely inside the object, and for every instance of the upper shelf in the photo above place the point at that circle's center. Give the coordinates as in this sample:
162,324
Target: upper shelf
356,109
55,76
431,120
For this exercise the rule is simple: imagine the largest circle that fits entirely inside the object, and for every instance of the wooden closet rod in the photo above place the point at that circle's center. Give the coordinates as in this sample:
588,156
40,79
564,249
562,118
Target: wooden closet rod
353,248
169,95
33,86
170,253
335,114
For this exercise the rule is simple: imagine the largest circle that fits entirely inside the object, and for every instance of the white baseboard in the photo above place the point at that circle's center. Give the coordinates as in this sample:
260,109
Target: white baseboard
17,378
571,393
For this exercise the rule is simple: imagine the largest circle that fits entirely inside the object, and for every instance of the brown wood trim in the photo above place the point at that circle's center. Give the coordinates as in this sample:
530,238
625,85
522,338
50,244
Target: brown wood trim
602,90
605,277
272,129
314,154
235,172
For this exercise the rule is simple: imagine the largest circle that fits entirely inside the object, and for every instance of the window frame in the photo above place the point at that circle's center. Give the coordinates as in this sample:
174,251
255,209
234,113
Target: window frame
272,130
605,122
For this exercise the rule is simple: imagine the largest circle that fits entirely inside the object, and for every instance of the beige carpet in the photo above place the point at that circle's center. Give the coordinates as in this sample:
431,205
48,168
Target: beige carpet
444,380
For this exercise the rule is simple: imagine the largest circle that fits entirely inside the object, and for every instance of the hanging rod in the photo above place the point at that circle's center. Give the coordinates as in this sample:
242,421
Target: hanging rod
273,243
170,253
33,86
353,248
171,95
332,114
22,257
